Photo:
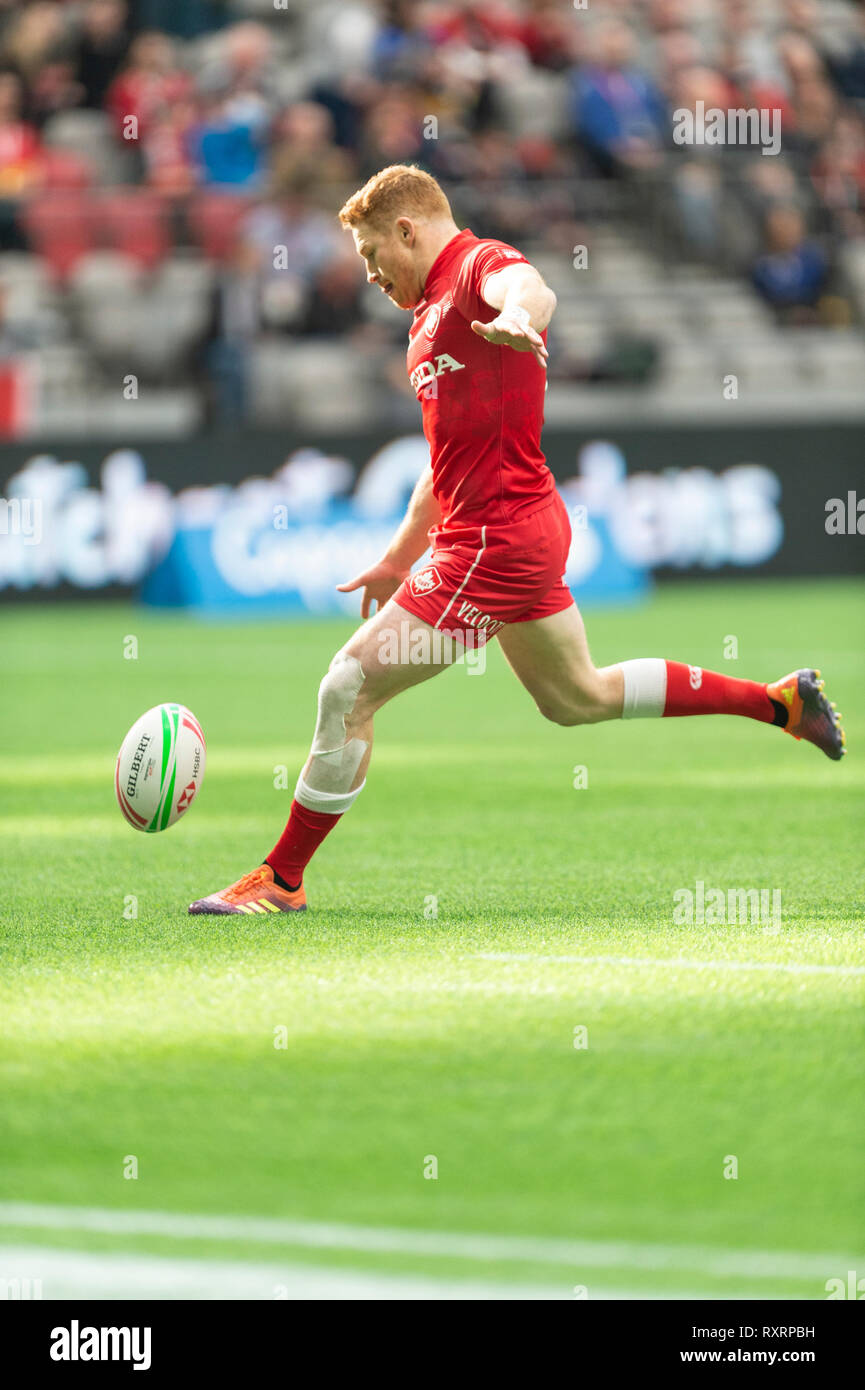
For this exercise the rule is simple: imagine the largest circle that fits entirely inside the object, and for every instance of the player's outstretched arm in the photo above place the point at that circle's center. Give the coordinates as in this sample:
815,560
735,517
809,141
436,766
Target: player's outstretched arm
383,579
525,306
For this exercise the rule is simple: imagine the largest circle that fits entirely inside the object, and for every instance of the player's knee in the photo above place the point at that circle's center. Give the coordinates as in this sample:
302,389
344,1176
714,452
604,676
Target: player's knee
565,715
339,693
579,705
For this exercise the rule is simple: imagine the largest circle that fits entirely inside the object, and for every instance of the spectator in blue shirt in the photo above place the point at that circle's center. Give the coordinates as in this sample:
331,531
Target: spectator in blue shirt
229,143
618,112
792,271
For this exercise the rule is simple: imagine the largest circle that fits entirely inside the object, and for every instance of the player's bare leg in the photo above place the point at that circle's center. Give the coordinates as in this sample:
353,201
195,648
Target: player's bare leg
382,649
550,656
388,654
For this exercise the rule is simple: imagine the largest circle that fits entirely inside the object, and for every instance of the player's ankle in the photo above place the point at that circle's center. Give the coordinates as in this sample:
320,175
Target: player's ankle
283,883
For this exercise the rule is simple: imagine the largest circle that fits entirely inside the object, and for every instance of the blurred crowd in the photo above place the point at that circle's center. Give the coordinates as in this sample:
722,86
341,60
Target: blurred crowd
241,127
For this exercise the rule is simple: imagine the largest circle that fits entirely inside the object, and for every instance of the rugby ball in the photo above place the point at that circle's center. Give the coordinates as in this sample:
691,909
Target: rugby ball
160,767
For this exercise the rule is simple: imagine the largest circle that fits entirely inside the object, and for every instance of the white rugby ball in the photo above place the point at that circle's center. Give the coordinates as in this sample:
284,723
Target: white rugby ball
160,767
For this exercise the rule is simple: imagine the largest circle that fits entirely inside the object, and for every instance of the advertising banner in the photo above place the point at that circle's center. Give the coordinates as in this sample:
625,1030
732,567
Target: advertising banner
266,523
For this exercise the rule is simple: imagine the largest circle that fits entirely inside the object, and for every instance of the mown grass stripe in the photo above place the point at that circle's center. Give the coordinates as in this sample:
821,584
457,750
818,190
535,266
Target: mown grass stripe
553,1250
76,1274
789,968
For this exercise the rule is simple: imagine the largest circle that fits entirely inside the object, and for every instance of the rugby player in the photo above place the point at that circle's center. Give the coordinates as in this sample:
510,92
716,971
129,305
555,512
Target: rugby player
488,506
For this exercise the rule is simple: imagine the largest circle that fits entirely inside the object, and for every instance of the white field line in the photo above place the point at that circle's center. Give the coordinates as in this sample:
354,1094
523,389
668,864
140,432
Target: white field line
314,1235
73,1274
65,1274
677,962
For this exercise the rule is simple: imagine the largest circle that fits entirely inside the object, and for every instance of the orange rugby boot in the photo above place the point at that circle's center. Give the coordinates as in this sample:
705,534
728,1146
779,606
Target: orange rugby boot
255,892
809,714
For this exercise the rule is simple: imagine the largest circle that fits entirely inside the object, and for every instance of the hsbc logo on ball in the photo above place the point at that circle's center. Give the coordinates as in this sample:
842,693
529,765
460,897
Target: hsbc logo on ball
425,581
186,797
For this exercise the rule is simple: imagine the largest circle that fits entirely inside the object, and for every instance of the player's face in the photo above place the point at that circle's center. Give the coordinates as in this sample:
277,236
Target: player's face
389,264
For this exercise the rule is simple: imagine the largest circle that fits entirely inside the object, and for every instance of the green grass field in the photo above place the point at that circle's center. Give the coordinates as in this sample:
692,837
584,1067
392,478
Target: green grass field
471,912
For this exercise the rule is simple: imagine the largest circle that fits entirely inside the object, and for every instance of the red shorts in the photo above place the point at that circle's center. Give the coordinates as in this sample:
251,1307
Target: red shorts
479,578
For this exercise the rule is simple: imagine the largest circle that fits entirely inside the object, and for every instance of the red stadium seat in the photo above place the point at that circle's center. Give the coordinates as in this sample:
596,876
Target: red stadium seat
133,220
59,226
65,169
214,219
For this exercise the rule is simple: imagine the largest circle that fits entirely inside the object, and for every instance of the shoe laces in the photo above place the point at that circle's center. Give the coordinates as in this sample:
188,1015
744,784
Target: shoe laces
247,884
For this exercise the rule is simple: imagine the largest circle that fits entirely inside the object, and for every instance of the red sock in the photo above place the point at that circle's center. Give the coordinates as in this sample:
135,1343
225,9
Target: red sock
299,840
691,690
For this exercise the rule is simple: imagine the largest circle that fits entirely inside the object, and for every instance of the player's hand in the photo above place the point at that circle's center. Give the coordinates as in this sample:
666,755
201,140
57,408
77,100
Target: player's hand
379,583
509,332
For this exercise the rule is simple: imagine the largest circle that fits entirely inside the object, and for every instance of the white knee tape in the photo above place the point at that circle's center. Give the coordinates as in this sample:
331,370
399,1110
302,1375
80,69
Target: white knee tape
645,687
335,759
332,803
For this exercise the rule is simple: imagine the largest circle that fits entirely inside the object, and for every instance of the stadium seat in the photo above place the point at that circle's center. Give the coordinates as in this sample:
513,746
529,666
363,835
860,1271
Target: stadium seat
832,361
584,339
62,371
151,333
690,368
214,220
59,225
736,314
151,320
91,136
852,261
653,313
65,169
133,220
536,105
312,385
22,268
771,364
29,299
104,274
187,276
624,267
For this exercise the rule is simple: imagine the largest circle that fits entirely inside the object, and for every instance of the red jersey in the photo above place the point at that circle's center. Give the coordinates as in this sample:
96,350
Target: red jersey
483,405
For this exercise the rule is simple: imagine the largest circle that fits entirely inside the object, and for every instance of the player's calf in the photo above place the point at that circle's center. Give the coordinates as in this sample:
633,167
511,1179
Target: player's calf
595,698
331,780
795,703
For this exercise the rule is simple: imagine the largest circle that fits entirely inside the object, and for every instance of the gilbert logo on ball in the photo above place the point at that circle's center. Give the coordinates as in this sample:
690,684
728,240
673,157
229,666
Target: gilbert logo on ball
160,767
